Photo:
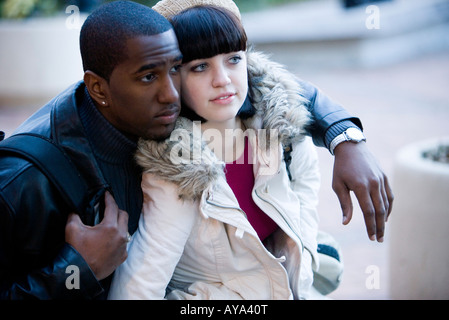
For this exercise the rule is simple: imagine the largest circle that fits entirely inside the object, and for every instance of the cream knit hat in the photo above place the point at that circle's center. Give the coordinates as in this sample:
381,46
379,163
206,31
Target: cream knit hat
169,8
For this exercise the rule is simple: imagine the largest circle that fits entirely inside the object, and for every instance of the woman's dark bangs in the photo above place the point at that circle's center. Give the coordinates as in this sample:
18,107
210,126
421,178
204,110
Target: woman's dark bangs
204,32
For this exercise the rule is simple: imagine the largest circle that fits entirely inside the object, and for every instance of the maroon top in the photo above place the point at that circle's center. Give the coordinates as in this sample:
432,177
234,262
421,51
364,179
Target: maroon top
240,177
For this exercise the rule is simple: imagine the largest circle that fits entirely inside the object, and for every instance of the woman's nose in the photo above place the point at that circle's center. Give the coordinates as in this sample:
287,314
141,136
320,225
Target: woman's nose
221,77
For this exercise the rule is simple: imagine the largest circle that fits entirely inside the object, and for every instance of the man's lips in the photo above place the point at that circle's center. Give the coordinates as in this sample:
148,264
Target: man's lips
168,116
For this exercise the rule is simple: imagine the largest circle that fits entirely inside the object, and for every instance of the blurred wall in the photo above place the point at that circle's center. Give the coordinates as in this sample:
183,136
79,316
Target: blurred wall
38,58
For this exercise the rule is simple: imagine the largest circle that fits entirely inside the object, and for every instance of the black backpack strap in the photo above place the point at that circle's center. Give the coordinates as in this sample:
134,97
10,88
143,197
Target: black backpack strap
53,162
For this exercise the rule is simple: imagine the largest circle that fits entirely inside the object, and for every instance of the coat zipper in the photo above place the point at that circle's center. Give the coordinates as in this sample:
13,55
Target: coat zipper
281,259
277,209
282,216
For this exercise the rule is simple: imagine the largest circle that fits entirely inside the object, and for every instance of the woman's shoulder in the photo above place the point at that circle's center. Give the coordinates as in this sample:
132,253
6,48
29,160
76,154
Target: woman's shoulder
183,159
276,95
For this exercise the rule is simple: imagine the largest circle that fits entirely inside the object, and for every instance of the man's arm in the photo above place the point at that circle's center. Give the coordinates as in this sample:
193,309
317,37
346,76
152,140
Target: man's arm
329,118
355,168
32,226
20,274
59,280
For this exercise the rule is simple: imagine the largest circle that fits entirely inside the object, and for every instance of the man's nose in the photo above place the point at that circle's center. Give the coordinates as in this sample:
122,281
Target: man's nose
168,92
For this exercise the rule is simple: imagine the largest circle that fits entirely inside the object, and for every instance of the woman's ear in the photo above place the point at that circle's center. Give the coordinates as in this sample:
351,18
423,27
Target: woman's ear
98,88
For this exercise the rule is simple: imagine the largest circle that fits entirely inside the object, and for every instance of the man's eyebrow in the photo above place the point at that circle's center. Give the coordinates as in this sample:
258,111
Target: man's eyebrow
178,58
151,66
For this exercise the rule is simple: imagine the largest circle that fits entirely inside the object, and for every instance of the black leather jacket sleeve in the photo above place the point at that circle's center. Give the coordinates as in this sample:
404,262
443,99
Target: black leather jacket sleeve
35,261
56,281
330,118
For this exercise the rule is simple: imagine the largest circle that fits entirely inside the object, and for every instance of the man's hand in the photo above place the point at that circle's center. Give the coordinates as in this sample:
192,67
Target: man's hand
103,246
356,169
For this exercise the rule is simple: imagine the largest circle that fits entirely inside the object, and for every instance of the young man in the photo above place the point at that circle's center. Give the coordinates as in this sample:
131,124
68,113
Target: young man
130,89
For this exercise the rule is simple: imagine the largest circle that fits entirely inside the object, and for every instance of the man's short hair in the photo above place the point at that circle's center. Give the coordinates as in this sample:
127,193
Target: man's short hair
106,30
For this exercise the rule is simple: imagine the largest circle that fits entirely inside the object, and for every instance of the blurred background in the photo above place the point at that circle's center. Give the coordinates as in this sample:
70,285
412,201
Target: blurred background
387,62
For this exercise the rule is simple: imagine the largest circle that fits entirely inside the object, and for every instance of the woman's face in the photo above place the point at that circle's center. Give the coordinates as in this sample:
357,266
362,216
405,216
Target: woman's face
215,88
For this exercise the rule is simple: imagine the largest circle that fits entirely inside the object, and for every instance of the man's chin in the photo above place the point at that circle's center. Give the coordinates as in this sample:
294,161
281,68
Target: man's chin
161,136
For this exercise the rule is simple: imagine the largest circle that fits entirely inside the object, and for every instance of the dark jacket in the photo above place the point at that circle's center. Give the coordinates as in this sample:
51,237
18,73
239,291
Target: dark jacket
34,258
33,254
329,118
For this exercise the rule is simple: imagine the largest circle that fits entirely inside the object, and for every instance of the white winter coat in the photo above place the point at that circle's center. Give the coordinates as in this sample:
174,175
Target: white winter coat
193,240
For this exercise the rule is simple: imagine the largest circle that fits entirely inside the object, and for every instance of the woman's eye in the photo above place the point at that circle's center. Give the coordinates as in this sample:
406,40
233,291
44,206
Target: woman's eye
235,59
200,67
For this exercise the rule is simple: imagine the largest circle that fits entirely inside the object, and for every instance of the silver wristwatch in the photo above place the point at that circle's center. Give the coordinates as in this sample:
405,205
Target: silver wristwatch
351,134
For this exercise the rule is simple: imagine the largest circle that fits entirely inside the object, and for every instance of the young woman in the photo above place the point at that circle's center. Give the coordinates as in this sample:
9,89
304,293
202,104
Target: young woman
223,217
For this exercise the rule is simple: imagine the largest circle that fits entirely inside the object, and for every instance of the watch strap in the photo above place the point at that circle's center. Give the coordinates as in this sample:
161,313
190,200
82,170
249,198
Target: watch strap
343,137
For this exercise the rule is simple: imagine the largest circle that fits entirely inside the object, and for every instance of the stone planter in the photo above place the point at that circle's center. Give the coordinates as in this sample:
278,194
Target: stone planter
419,225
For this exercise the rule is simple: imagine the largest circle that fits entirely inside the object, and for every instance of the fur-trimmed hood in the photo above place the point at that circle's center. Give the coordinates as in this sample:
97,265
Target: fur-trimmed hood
184,159
277,97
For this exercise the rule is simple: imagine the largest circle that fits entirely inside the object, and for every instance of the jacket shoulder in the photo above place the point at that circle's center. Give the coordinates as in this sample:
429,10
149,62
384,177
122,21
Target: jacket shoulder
22,186
11,167
40,122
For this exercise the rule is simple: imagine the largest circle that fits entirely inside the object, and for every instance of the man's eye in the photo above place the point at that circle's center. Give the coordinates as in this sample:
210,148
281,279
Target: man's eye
148,78
176,68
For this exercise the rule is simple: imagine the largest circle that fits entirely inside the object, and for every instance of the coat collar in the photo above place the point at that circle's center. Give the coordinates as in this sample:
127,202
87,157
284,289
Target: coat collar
68,131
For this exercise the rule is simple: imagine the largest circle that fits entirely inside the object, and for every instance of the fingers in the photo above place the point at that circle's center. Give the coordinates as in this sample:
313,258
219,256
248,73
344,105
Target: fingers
74,218
374,203
368,210
72,227
115,219
390,198
382,197
111,209
112,214
344,198
355,169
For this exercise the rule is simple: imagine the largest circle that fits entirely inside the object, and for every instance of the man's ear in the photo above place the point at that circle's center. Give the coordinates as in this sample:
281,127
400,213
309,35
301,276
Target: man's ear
98,88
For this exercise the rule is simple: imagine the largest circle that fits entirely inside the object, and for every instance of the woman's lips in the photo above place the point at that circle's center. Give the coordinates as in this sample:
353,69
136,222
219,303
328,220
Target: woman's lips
224,98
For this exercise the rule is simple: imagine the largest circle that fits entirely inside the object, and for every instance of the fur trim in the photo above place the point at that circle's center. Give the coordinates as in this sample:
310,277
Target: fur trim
275,94
182,159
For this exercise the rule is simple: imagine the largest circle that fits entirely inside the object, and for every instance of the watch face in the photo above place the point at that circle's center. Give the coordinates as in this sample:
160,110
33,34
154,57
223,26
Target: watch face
355,134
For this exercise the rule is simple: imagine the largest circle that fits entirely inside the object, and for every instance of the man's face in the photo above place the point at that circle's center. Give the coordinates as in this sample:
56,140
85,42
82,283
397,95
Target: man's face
143,91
